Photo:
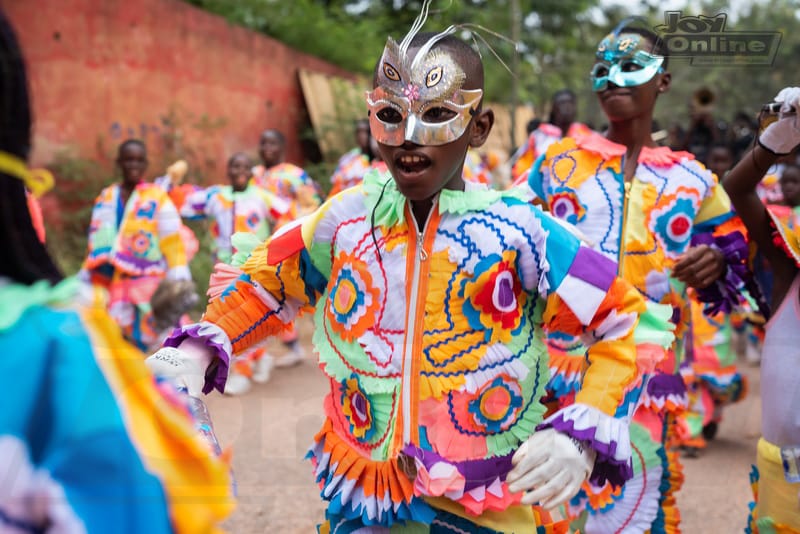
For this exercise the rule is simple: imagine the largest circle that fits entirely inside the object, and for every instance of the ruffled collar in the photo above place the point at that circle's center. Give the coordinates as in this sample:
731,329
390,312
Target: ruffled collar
381,192
16,298
661,156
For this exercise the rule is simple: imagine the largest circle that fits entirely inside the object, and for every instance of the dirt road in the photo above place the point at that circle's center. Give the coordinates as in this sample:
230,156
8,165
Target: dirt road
271,427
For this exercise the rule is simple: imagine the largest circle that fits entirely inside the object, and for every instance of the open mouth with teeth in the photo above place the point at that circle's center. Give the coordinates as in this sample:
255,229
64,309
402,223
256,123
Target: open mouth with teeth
412,163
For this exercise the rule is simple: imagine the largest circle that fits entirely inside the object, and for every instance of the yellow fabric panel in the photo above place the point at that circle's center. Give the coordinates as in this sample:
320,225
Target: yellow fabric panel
715,205
518,519
777,498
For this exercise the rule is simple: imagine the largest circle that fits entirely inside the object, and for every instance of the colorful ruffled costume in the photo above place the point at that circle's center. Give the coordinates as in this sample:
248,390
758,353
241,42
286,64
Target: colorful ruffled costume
475,170
538,142
131,249
253,210
432,342
350,170
643,227
777,502
92,443
292,184
712,377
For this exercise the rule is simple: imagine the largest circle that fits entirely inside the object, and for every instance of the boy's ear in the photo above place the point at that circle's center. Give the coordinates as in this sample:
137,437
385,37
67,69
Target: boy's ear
481,126
665,82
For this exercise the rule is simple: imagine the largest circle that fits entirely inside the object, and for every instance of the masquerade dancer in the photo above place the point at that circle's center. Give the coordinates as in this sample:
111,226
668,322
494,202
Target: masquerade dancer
89,442
429,296
651,212
292,184
238,207
134,243
287,181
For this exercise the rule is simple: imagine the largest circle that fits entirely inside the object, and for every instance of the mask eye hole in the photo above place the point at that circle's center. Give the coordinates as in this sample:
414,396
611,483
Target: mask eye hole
600,70
390,72
630,66
433,77
389,115
438,114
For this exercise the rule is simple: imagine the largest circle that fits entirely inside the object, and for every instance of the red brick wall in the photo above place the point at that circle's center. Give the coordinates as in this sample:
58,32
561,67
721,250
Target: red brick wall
105,70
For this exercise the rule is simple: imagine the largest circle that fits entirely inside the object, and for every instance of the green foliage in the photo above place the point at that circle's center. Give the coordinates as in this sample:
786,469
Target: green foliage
202,264
78,182
185,135
556,43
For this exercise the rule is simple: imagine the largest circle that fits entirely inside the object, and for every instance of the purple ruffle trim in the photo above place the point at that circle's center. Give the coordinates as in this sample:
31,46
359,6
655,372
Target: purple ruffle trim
217,372
607,467
725,294
662,385
476,473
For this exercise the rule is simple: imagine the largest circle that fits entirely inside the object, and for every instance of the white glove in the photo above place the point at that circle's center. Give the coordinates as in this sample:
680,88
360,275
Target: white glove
186,366
783,135
550,468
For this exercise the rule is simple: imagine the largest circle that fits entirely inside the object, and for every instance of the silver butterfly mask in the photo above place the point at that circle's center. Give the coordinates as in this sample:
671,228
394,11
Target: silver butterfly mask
420,99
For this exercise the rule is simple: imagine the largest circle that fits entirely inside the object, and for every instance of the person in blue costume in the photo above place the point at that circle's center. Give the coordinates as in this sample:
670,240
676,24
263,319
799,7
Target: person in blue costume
89,442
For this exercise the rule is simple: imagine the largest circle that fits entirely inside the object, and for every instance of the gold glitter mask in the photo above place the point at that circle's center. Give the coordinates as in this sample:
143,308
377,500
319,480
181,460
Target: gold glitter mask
420,99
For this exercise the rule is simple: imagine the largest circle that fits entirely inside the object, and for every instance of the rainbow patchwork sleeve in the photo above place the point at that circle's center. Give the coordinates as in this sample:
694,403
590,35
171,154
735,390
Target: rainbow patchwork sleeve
588,300
276,282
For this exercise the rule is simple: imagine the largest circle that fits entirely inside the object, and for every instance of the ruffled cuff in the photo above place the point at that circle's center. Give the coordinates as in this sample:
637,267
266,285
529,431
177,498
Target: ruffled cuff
478,485
665,392
725,294
217,341
605,434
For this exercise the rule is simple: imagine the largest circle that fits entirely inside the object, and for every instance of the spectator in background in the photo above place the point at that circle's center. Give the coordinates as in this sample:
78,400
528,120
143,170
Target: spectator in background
742,131
676,136
720,158
703,130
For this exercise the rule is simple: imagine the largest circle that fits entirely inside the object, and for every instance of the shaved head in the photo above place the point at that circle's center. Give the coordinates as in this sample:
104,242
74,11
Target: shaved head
466,56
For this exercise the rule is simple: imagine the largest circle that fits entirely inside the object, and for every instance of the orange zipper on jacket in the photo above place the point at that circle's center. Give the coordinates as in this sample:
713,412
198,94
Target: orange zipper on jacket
420,245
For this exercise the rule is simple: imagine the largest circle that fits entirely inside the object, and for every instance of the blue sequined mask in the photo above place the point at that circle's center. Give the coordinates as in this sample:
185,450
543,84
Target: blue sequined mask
623,61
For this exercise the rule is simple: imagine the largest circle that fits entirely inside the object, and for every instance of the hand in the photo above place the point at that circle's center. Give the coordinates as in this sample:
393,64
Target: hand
783,135
700,267
186,366
550,468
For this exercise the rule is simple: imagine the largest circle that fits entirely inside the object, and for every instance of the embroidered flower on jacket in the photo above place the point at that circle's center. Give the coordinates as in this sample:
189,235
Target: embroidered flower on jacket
672,224
353,301
497,404
356,407
565,205
493,298
140,243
